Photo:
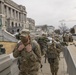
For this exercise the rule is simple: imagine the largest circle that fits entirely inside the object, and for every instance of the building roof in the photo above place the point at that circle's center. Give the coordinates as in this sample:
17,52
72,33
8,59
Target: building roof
15,5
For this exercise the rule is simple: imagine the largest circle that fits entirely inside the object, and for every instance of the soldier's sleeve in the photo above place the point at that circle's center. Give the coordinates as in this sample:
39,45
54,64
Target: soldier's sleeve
16,52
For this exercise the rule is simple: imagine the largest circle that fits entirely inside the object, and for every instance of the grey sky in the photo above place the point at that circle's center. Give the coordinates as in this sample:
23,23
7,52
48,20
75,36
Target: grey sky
50,11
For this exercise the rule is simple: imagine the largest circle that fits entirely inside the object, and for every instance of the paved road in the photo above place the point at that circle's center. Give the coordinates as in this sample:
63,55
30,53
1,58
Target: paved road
46,68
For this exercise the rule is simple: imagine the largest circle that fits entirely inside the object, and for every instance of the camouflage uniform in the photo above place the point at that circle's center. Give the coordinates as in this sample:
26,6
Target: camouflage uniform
54,67
70,38
30,61
66,37
54,63
58,45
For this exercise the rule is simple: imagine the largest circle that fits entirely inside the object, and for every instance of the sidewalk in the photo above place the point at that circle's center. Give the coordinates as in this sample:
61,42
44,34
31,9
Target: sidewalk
46,67
62,67
14,68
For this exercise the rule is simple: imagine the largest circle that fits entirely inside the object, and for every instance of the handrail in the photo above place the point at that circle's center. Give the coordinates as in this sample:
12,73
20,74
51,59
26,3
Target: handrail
70,57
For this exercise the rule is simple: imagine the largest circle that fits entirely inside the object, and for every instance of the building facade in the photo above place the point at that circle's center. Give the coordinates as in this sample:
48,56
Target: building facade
30,24
50,29
13,15
47,29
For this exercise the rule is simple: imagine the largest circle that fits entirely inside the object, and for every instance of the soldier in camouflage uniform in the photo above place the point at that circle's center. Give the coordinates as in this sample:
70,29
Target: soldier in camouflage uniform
53,58
66,38
58,46
43,43
70,37
30,54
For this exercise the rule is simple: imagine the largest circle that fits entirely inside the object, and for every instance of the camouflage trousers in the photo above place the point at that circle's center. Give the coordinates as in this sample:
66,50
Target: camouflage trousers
30,73
54,66
29,70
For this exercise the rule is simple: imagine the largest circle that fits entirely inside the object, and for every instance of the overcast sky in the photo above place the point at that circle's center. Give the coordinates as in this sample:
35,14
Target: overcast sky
50,12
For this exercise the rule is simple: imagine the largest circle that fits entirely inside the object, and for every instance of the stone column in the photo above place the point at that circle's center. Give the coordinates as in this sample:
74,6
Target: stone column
3,22
2,15
25,18
7,12
11,13
18,16
2,8
21,17
15,14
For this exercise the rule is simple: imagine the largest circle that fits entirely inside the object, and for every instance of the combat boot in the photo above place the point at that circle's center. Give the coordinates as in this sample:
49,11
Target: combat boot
55,73
52,73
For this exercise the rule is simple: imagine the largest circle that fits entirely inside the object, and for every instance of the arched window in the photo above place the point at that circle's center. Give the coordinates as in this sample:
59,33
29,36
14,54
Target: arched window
18,30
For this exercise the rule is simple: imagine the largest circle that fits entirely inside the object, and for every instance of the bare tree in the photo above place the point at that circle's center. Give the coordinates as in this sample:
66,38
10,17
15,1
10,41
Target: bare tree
63,28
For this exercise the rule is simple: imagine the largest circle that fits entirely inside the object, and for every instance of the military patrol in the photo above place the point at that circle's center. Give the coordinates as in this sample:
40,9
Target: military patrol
67,38
30,54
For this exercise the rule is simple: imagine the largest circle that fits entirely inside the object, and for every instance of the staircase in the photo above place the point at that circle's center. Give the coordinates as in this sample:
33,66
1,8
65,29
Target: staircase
6,36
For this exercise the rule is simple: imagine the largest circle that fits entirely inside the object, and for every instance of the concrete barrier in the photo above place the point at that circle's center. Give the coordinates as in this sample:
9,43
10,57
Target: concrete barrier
70,56
5,64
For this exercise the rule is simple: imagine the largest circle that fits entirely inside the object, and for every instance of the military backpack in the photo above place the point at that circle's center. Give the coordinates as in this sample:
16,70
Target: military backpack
52,55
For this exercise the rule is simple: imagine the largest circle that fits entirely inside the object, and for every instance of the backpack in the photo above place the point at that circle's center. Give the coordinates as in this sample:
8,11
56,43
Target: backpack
52,55
43,46
34,47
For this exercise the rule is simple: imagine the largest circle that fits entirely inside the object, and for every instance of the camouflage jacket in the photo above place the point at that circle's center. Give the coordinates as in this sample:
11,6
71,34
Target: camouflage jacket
29,60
